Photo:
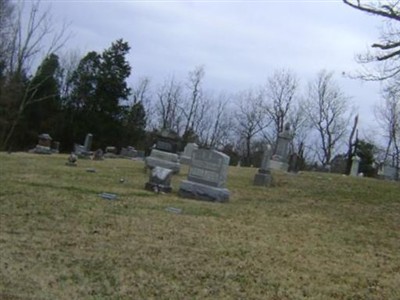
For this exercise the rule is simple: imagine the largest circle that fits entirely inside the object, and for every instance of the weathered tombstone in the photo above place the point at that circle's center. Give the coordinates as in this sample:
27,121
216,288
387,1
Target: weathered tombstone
186,156
160,180
88,142
72,160
98,155
279,159
83,151
388,172
207,177
111,152
165,152
355,165
44,144
128,152
264,177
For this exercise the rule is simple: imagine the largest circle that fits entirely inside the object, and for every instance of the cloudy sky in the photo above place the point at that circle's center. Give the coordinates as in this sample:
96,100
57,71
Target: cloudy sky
240,43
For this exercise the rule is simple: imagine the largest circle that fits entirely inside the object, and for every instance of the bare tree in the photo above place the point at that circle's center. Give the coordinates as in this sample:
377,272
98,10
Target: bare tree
327,110
68,64
280,91
386,56
215,128
27,39
250,118
194,107
300,128
388,117
169,105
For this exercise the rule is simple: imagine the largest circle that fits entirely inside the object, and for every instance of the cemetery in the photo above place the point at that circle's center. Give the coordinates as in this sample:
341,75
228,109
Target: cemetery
261,233
233,157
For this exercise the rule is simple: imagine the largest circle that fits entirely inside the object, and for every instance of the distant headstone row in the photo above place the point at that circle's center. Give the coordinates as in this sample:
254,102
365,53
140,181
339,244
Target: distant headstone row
46,145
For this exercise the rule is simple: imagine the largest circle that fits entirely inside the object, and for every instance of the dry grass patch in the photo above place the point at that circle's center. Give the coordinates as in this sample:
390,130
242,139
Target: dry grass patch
311,236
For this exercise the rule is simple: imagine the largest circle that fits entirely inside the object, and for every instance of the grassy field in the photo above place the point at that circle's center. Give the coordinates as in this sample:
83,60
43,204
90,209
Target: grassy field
310,236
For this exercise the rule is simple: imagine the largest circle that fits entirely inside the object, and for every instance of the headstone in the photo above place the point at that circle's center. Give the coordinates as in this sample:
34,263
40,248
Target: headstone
167,140
355,165
186,156
88,142
280,157
388,172
83,151
160,180
163,159
264,177
164,154
72,160
128,152
207,177
111,152
44,144
98,154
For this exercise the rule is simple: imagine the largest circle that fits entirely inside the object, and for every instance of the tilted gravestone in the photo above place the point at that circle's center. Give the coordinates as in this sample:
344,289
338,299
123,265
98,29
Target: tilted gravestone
160,180
186,156
264,177
164,153
207,177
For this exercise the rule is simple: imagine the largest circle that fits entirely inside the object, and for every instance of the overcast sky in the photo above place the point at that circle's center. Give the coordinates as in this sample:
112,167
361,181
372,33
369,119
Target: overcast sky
240,43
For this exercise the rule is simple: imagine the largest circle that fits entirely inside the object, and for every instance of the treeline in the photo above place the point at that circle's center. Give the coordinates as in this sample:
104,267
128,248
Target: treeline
70,96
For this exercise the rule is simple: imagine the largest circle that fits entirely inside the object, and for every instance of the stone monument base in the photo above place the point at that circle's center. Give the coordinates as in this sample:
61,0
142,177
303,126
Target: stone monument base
154,187
278,165
198,191
263,178
41,150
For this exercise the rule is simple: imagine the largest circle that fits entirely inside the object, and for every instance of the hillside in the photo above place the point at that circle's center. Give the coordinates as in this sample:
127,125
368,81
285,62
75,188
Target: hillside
310,236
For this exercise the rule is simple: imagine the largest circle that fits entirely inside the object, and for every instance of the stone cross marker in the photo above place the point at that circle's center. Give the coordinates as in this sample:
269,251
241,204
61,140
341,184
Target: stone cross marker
207,177
263,177
355,165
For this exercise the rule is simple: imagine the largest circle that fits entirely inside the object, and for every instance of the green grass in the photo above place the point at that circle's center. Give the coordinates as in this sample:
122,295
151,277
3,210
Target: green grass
310,236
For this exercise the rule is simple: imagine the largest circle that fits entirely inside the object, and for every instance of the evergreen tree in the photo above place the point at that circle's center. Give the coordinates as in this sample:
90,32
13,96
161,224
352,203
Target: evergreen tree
366,151
135,125
98,89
